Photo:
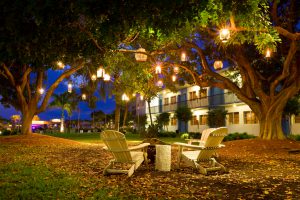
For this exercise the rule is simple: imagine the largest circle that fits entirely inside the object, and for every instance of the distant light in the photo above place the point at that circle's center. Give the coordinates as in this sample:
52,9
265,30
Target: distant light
183,57
133,94
268,53
125,97
100,72
158,69
176,70
41,90
106,77
160,83
224,35
142,97
218,64
93,77
70,86
60,64
174,78
83,96
140,56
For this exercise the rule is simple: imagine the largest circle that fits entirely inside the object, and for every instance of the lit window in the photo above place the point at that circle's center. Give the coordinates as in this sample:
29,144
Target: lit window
203,119
233,118
166,101
173,100
194,120
297,119
173,121
203,93
250,118
193,95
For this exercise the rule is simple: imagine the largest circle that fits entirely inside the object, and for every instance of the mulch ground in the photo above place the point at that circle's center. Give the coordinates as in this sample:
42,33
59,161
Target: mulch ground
258,169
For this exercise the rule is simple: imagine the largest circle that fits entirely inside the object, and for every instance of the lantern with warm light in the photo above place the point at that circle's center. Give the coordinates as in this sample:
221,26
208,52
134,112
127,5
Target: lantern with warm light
141,57
158,69
100,72
106,77
174,78
218,64
183,57
268,53
83,96
176,70
70,86
41,90
224,35
60,64
93,77
159,83
125,97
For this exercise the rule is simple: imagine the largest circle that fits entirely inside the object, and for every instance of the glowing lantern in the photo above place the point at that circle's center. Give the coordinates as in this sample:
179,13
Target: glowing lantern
158,69
100,72
183,57
93,77
106,77
218,64
60,64
176,70
125,97
268,53
41,90
70,86
224,35
140,56
174,78
159,83
83,96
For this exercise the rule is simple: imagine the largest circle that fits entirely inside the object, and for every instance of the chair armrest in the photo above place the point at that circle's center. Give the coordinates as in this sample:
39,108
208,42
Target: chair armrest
140,146
189,145
105,148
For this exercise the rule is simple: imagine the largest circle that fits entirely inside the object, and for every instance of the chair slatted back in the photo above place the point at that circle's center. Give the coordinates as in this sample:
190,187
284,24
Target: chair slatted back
212,143
205,134
117,145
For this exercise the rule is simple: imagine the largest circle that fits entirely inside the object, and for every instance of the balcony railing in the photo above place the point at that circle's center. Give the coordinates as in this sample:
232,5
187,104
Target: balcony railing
215,100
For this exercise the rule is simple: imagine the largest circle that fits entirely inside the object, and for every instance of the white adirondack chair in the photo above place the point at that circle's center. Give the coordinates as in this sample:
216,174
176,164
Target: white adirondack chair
197,154
116,144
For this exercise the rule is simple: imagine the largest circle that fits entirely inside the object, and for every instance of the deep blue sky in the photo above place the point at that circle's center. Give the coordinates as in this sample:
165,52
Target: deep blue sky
85,111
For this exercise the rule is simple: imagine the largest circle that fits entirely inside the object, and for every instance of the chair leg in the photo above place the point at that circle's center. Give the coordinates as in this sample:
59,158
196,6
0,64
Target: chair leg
216,163
179,156
107,167
130,171
201,169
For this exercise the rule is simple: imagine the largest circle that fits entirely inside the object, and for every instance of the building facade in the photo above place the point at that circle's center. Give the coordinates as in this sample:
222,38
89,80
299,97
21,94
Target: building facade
239,117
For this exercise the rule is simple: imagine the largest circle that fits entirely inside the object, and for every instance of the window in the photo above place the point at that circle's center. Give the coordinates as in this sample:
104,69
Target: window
166,100
173,121
233,118
173,100
250,118
297,119
194,120
193,95
203,93
203,119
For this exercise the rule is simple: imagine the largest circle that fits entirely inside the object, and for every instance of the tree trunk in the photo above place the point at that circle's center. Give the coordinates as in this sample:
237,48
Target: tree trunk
125,114
270,125
26,123
149,109
117,117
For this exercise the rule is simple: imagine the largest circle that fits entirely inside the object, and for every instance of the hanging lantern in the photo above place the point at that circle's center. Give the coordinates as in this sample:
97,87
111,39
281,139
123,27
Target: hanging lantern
159,83
224,35
70,86
41,90
140,56
83,96
93,77
176,70
100,72
125,97
158,69
183,57
174,78
60,64
218,64
268,53
106,77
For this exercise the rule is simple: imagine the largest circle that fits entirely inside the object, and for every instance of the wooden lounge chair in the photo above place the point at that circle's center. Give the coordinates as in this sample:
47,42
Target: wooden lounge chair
116,144
196,155
203,138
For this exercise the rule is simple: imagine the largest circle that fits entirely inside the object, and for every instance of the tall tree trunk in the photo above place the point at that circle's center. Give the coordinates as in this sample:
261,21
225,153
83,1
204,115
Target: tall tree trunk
149,109
271,127
117,117
26,123
125,114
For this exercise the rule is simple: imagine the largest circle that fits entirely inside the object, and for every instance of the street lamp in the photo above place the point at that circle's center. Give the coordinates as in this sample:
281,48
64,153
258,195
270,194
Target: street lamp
224,35
70,86
183,57
41,90
268,53
83,96
100,72
106,77
60,64
125,97
174,78
158,69
93,77
218,64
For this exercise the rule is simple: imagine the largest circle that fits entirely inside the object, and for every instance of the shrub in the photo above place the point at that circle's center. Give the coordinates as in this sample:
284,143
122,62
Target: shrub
294,137
184,136
8,132
167,134
238,136
195,135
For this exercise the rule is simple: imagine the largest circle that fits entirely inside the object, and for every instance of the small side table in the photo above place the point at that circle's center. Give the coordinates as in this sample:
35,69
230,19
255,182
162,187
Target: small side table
163,157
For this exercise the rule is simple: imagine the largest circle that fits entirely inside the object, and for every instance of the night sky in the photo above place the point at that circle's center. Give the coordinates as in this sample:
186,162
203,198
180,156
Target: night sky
108,106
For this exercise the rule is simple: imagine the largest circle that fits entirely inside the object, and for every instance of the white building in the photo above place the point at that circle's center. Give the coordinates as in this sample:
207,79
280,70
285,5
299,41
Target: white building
239,118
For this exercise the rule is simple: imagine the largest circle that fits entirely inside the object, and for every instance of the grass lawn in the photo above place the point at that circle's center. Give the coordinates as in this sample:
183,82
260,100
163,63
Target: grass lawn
44,167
